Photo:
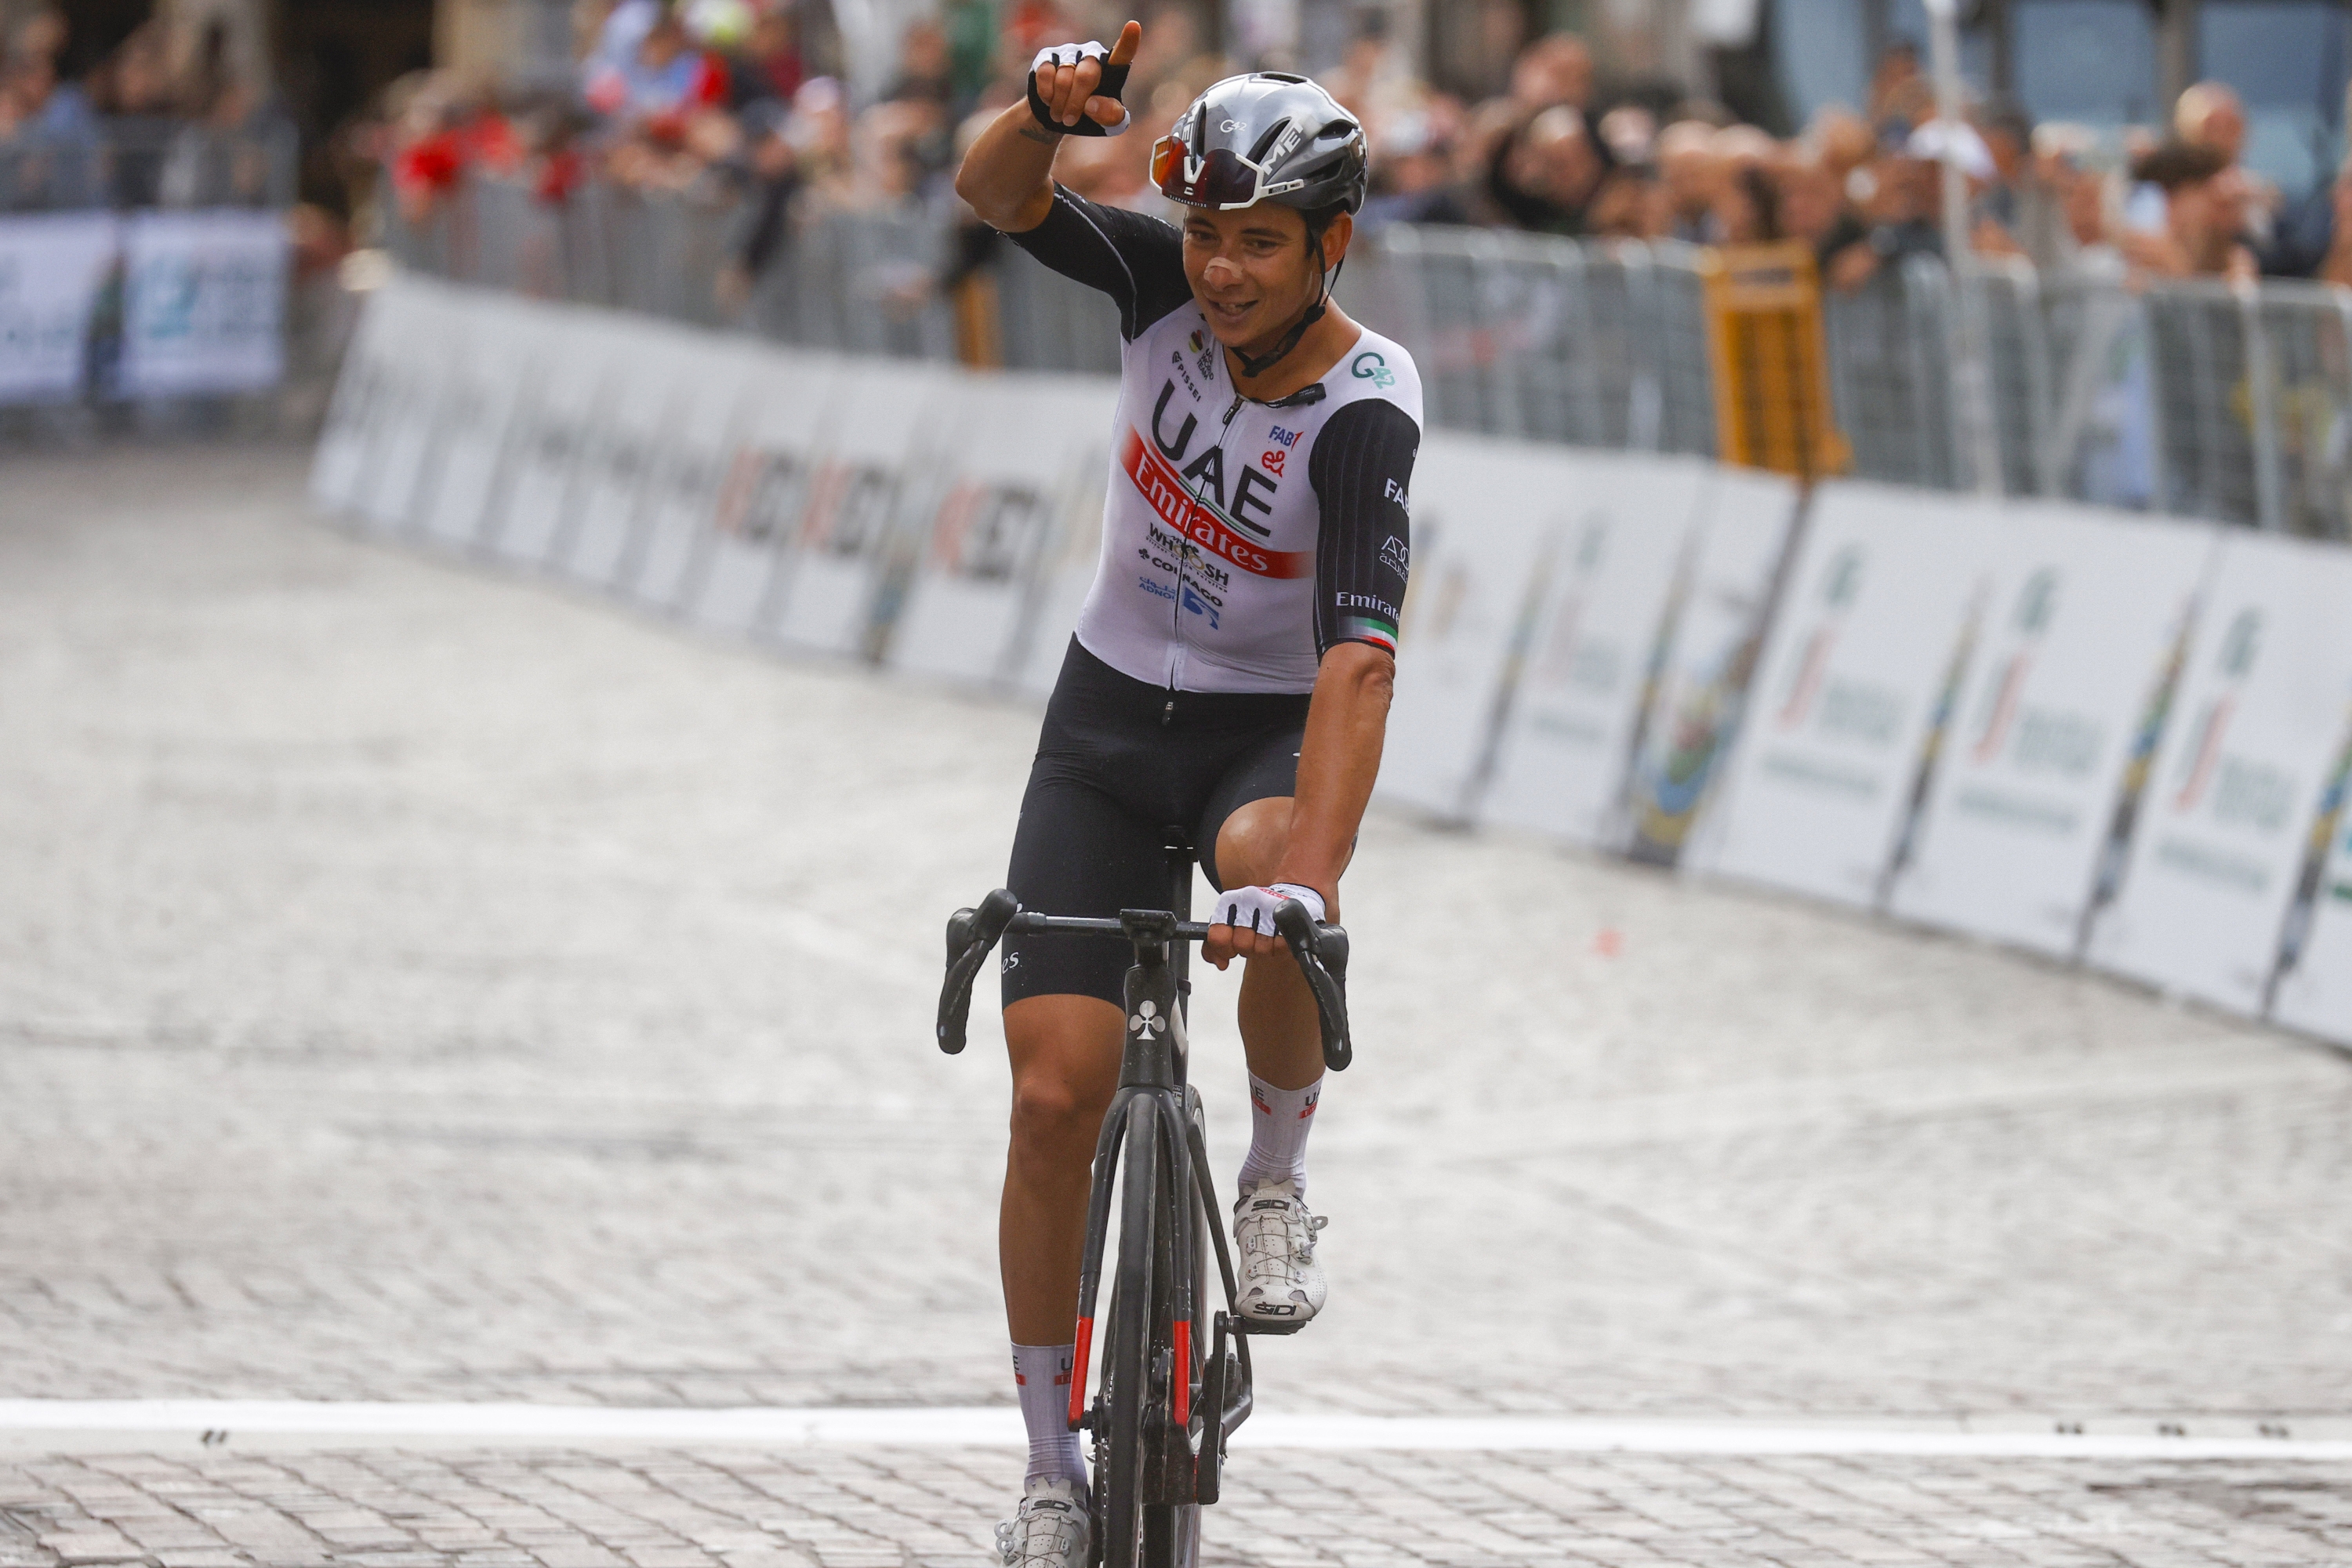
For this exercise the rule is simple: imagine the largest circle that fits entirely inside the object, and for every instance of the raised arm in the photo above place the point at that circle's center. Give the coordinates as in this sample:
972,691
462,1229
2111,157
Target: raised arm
1008,174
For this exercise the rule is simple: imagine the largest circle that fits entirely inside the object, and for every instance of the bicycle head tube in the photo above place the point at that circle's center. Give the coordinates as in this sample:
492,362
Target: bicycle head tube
1156,1044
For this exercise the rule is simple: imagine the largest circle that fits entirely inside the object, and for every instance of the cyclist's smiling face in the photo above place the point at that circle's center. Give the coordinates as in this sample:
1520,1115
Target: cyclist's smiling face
1252,271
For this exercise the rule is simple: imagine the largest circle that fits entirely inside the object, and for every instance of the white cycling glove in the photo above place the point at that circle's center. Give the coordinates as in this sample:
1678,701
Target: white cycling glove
1253,909
1113,83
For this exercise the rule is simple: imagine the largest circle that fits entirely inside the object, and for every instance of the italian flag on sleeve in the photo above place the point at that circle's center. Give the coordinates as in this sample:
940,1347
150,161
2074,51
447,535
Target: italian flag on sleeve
1380,634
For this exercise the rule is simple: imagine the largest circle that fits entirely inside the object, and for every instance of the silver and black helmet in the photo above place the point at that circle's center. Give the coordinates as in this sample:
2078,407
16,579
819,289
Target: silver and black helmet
1264,137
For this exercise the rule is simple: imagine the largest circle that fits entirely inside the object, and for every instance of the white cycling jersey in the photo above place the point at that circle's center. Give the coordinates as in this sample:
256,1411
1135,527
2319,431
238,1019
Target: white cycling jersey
1241,540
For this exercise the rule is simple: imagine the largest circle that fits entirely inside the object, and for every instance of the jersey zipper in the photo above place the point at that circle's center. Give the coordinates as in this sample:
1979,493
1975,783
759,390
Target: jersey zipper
1184,556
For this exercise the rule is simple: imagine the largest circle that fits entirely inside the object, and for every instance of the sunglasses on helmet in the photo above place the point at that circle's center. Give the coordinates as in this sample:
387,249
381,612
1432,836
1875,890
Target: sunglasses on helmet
1224,179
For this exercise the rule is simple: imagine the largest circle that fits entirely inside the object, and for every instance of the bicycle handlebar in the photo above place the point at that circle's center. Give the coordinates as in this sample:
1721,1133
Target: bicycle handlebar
1321,952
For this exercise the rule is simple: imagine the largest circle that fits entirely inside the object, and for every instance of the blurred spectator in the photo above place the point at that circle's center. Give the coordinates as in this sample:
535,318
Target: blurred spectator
1556,68
32,99
664,79
1689,174
768,67
1895,86
1411,176
1546,172
2335,265
2202,217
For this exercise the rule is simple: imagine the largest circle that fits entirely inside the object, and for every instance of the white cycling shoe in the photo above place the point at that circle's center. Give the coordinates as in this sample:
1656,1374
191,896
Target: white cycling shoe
1050,1529
1280,1281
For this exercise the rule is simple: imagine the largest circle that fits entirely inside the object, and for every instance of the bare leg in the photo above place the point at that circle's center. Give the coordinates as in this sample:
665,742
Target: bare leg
1065,1055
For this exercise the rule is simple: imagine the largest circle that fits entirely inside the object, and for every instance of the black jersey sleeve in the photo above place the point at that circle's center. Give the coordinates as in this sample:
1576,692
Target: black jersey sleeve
1138,260
1362,470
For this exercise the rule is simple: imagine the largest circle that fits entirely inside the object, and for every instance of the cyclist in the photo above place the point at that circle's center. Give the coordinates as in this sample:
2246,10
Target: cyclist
1232,669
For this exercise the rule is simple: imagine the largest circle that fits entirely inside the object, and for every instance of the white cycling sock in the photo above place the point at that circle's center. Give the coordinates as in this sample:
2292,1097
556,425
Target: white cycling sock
1280,1120
1042,1374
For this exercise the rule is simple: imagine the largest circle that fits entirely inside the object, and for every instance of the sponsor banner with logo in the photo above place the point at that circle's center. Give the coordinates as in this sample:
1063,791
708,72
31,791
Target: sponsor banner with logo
1477,535
1068,574
410,372
788,413
54,270
546,460
646,366
702,429
203,302
1856,687
1616,558
1021,451
846,572
1718,621
2229,843
2313,990
495,345
2086,624
372,363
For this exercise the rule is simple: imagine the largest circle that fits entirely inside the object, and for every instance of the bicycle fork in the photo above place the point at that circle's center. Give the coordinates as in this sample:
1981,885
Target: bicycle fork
1152,1070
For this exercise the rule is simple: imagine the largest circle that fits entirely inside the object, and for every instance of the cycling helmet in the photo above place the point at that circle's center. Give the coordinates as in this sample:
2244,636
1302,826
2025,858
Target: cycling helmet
1264,137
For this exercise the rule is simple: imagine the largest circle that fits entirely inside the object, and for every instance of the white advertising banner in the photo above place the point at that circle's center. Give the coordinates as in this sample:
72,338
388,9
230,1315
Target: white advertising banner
704,427
54,269
1066,576
1858,682
1616,553
2224,836
788,414
876,475
2312,988
1020,453
1715,638
495,342
204,301
538,490
647,364
360,388
423,320
2085,626
1479,526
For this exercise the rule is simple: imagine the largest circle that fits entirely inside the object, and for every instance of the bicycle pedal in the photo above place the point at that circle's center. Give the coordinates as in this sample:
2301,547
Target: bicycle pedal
1265,1326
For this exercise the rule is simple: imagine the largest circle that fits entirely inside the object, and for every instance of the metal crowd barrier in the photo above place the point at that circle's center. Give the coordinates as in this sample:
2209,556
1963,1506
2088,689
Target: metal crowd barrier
2193,398
2197,398
144,163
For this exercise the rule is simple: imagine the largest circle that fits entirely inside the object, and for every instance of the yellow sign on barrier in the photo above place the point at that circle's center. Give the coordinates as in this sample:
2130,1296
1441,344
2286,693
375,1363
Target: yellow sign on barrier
1770,361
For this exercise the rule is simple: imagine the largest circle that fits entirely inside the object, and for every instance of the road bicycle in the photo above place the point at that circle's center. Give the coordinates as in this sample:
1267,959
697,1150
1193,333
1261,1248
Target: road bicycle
1169,1397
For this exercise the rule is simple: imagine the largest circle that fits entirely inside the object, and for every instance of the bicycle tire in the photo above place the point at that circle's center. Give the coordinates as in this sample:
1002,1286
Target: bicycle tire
1126,1398
1171,1531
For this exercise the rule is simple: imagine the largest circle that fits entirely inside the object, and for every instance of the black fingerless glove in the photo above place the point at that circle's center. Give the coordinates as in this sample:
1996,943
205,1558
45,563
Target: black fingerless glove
1113,83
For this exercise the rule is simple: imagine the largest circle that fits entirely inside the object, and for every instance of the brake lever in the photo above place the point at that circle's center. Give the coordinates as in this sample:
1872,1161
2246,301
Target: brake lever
970,933
1322,955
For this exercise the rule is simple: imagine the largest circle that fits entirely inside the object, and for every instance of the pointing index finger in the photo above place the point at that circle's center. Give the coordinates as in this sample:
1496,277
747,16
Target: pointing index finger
1131,38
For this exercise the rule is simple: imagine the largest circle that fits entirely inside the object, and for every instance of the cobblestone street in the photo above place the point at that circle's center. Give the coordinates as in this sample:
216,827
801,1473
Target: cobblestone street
418,985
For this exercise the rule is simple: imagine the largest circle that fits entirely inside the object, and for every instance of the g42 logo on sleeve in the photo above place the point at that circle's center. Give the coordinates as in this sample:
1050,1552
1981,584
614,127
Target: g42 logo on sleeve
1369,366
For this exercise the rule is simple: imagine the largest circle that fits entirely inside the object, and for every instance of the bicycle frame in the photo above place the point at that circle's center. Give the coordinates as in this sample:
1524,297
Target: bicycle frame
1184,1429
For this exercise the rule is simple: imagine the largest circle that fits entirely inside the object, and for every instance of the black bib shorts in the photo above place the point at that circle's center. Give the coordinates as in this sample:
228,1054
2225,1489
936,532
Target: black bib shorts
1119,761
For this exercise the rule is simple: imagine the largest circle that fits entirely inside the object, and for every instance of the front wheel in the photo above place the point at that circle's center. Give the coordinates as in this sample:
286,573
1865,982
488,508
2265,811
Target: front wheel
1142,1458
1124,1404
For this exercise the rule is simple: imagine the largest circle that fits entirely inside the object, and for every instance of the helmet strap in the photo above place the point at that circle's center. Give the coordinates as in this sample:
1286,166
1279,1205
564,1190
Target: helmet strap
1255,367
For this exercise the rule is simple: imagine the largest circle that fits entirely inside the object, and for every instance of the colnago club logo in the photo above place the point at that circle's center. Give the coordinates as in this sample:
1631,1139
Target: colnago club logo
1204,354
